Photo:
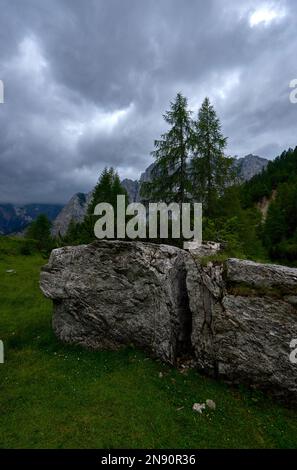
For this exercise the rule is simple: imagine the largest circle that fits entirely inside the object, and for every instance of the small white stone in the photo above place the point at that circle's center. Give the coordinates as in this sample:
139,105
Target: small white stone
211,404
199,407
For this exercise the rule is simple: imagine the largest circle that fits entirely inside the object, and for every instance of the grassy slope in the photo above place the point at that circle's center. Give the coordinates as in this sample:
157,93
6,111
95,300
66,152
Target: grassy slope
56,396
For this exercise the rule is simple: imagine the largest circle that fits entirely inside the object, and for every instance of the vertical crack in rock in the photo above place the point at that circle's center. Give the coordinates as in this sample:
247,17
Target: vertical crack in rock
184,343
204,299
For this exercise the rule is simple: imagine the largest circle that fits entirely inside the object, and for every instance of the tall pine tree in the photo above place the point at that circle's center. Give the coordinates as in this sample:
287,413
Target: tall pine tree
106,190
170,180
211,170
40,230
103,191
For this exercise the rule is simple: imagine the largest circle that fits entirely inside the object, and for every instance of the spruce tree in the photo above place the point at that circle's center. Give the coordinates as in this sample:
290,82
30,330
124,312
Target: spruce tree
103,190
106,190
40,230
211,170
73,234
116,190
170,180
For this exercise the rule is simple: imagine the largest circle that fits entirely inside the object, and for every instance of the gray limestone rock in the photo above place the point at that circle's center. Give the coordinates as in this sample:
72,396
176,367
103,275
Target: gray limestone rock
111,293
243,323
262,276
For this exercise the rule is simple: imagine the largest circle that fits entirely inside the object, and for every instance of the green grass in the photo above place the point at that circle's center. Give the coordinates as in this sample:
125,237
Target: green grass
217,258
56,396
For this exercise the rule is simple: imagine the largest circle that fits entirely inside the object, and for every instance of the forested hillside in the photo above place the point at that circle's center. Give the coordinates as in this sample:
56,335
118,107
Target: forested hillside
279,180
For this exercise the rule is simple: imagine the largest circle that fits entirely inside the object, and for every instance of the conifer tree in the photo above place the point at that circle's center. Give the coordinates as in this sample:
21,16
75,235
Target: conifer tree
73,234
116,190
211,170
40,230
106,190
170,180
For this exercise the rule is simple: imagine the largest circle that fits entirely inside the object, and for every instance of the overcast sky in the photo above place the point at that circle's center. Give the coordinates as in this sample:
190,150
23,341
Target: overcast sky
86,83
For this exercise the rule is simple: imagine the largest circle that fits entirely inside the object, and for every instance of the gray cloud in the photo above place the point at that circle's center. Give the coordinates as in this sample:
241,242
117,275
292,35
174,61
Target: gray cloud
86,84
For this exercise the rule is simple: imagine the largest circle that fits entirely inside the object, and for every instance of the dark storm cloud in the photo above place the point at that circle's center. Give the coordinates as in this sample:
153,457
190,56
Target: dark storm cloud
86,83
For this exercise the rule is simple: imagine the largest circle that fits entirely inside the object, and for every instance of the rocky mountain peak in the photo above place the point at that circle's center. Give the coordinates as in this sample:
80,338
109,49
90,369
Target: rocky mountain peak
250,165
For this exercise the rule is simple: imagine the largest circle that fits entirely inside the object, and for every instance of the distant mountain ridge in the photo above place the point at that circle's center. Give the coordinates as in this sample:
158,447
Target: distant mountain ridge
75,209
14,218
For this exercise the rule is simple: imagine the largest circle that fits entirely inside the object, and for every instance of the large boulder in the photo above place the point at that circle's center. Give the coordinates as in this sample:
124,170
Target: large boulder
269,278
111,293
244,319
